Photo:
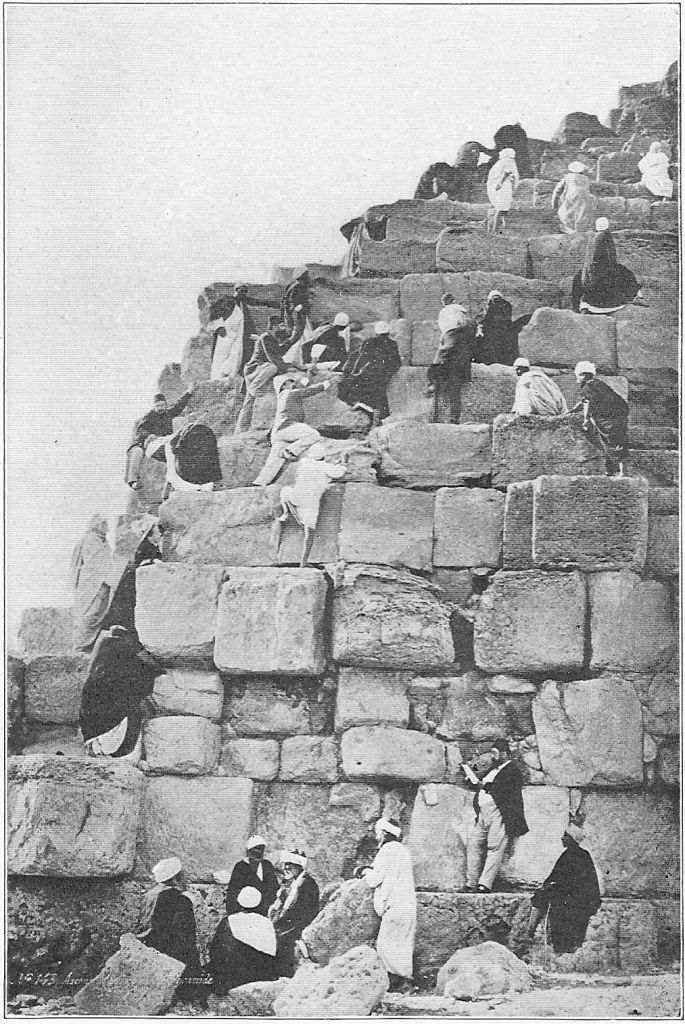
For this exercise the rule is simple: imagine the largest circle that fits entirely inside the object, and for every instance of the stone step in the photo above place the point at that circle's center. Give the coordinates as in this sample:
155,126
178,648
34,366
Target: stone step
46,631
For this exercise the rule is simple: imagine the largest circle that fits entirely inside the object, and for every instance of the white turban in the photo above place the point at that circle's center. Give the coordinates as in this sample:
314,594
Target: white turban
601,224
382,327
507,154
341,320
522,361
655,147
293,858
383,825
249,897
255,841
167,869
584,366
577,167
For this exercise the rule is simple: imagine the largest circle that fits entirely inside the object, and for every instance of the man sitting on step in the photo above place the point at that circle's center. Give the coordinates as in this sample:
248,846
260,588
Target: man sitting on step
498,804
536,393
252,871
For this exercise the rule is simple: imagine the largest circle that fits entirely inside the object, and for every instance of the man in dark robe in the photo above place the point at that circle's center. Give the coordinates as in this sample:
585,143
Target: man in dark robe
122,607
295,304
496,332
167,924
197,454
366,375
253,872
296,906
155,424
605,417
243,949
500,818
451,366
570,893
604,285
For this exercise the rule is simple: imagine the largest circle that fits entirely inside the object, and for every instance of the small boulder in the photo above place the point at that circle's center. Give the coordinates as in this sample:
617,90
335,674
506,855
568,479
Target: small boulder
136,982
352,985
346,921
483,970
255,999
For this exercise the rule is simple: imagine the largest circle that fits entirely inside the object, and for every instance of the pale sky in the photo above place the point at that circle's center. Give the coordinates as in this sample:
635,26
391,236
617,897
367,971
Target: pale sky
151,150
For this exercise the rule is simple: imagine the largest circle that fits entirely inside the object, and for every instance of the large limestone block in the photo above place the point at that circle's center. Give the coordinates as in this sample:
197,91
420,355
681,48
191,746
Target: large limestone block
555,256
205,821
52,687
635,838
377,751
471,712
413,228
216,403
546,809
483,970
437,837
433,455
241,459
390,620
531,622
660,468
234,527
252,759
407,399
267,706
136,982
196,361
577,126
351,985
176,609
181,745
396,258
465,248
663,548
660,696
294,815
559,337
420,294
630,623
53,741
256,999
525,447
309,759
525,294
589,732
517,538
425,338
590,523
371,697
271,620
363,299
365,799
189,691
468,527
387,526
70,817
46,631
346,920
618,167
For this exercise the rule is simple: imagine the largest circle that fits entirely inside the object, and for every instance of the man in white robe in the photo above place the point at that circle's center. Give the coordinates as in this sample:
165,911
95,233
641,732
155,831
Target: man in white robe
536,393
302,500
392,878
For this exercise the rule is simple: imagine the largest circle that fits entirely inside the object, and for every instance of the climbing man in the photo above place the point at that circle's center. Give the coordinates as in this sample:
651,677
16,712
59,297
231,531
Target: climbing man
152,432
605,416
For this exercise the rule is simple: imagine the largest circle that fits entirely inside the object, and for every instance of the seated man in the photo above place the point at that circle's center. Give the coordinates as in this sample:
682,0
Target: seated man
366,374
252,871
243,949
296,906
266,362
536,393
151,434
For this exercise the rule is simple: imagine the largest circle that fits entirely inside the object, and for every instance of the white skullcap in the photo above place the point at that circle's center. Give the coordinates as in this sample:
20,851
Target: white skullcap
575,833
249,897
655,147
341,320
383,825
601,224
508,153
167,869
584,366
255,841
382,327
522,361
577,167
293,858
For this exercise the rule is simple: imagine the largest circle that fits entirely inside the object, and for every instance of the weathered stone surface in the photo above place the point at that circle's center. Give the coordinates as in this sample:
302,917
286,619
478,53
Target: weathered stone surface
589,523
437,839
525,447
468,527
433,455
46,630
52,741
483,970
253,759
371,697
554,257
390,620
234,527
242,458
189,691
630,622
589,732
525,294
634,837
534,855
559,337
205,822
471,712
660,697
270,620
14,702
71,817
196,361
407,399
351,985
256,999
455,585
490,393
309,759
345,921
365,799
510,684
363,300
467,248
425,338
216,403
181,745
267,706
387,526
396,258
420,294
663,548
577,126
517,539
659,468
176,609
668,766
293,815
371,751
135,982
52,687
618,167
531,622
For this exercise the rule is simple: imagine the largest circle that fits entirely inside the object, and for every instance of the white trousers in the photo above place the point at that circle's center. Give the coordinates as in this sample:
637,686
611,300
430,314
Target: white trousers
487,834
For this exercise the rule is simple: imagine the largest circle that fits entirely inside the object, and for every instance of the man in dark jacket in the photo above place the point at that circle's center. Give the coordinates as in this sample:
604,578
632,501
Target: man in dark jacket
605,416
296,906
498,805
366,374
295,304
155,425
253,871
265,363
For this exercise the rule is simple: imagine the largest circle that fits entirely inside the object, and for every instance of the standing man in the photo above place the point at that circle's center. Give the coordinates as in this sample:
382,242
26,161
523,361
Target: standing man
252,871
605,417
167,921
498,804
231,347
451,366
295,304
296,907
151,433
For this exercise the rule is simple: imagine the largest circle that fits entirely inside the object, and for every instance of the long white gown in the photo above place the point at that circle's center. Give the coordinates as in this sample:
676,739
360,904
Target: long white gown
394,900
537,394
654,170
503,180
228,352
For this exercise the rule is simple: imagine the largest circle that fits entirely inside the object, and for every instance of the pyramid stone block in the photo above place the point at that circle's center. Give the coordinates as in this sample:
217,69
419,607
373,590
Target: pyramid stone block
663,548
630,622
466,248
52,687
234,527
181,745
369,697
176,609
433,455
525,294
365,300
517,541
559,337
189,691
397,258
46,630
377,751
525,447
468,527
387,526
420,294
